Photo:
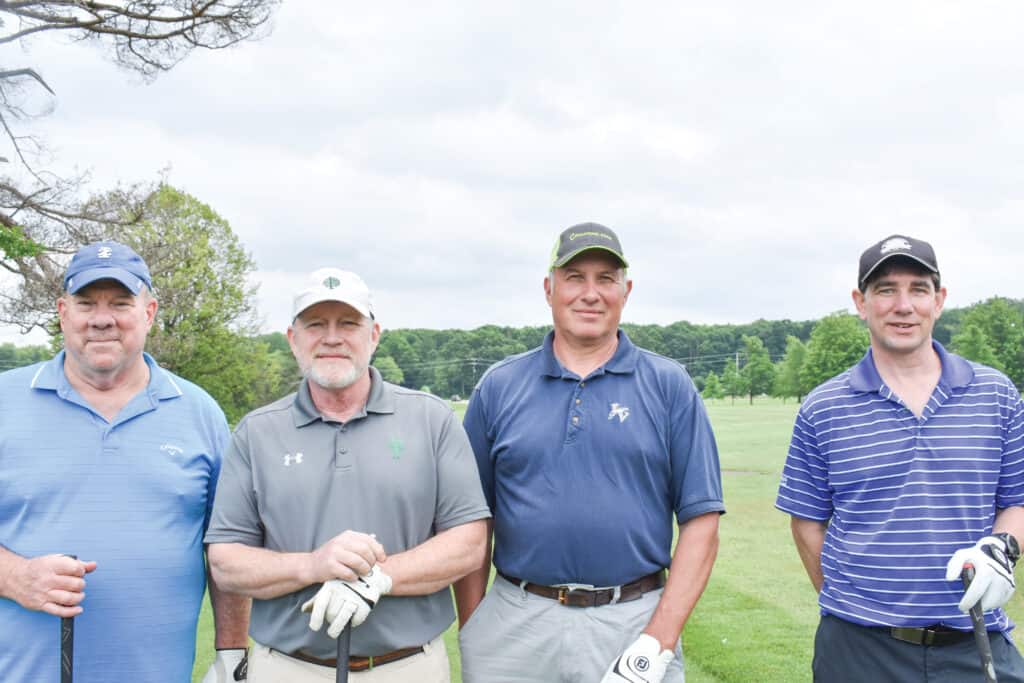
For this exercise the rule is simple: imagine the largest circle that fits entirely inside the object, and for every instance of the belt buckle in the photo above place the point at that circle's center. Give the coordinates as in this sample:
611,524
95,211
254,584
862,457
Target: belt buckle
563,594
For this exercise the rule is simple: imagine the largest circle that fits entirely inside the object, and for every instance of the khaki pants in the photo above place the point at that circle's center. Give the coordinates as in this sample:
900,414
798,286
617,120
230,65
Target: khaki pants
271,666
518,637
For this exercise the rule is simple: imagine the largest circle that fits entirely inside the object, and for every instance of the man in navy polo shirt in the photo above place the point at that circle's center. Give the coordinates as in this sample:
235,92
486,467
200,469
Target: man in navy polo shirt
586,448
901,471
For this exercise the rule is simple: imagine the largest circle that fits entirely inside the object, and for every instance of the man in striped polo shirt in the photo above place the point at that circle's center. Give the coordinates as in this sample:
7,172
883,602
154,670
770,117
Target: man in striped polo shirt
900,471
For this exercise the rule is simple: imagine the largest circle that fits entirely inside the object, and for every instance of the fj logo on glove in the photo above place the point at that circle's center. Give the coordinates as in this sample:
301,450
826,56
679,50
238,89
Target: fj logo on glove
621,412
290,459
642,664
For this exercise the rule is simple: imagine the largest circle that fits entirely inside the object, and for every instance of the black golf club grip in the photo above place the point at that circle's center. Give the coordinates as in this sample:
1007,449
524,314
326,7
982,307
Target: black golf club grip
67,646
988,667
344,643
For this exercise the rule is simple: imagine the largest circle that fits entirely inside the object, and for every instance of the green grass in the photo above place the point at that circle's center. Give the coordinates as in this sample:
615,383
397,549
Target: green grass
756,620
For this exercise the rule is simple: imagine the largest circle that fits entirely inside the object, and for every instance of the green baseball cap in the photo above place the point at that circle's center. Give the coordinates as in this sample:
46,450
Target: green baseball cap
580,238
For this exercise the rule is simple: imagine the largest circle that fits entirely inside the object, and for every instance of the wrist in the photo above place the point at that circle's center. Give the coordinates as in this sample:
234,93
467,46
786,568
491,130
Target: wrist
1010,545
663,643
9,562
307,569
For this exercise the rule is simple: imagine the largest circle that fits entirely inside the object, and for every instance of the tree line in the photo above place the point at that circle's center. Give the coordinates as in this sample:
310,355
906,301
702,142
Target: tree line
206,328
779,358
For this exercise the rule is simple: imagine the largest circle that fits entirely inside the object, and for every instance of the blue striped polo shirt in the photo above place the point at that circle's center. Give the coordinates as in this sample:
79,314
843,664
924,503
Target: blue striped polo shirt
902,493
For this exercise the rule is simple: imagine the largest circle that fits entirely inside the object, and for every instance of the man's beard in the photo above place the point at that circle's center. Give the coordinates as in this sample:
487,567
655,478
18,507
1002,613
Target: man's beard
336,379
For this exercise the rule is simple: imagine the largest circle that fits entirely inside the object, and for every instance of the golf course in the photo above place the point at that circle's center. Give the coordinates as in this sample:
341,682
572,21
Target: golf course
756,620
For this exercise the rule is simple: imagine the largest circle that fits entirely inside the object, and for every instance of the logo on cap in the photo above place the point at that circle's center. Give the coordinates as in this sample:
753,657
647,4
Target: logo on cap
894,244
332,283
591,233
105,252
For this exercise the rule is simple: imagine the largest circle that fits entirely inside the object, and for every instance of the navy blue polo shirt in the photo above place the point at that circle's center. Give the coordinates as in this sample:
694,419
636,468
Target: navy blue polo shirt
583,475
900,492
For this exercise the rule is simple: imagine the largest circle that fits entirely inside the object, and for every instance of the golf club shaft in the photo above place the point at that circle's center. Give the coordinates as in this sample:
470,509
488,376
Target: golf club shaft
980,634
67,646
344,641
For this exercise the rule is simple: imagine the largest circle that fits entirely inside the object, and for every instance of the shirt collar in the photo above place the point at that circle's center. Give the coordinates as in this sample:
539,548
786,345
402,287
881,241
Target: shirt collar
381,400
51,377
956,372
622,362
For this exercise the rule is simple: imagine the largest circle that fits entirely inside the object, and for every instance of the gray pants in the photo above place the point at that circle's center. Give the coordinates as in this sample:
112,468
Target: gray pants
848,653
518,637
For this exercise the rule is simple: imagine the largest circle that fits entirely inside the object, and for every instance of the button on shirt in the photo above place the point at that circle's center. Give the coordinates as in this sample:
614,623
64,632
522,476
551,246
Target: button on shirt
583,474
902,493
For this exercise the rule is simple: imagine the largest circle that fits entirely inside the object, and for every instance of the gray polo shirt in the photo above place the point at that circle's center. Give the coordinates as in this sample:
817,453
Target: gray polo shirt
291,480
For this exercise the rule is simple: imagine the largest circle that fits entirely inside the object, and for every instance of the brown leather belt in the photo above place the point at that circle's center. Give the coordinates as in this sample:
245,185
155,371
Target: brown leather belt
359,663
932,635
585,597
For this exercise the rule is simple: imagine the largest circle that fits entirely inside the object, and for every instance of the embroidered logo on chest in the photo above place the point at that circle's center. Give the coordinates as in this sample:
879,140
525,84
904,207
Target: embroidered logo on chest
290,459
619,411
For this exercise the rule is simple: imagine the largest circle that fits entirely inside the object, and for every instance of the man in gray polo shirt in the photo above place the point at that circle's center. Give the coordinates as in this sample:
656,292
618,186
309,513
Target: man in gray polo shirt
354,499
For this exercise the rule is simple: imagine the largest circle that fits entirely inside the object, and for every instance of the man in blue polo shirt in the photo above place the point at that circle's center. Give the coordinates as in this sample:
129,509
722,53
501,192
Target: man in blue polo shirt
586,448
106,456
901,471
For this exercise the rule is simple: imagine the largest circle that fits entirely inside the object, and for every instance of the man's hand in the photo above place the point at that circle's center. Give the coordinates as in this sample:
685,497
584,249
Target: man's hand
347,556
229,666
341,601
993,582
54,584
643,662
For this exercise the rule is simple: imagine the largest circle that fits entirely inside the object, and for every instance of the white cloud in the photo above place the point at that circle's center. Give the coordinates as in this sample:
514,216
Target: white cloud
746,152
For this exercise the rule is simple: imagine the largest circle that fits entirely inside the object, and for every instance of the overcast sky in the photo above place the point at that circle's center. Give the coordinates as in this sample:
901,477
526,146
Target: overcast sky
745,152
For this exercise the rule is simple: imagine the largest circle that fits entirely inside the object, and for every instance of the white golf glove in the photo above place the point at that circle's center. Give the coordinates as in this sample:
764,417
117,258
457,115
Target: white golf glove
339,601
643,662
993,582
229,666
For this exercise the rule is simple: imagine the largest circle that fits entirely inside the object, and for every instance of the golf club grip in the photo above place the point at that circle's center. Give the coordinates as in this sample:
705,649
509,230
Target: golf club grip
988,667
341,666
67,646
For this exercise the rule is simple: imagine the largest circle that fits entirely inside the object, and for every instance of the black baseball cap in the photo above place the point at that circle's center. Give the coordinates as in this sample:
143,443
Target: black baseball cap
892,246
580,238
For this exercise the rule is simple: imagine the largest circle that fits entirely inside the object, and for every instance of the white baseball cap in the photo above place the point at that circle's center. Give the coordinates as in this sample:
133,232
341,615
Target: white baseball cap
334,284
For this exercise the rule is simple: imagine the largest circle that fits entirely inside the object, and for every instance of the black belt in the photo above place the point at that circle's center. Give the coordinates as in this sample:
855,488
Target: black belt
586,597
937,635
357,663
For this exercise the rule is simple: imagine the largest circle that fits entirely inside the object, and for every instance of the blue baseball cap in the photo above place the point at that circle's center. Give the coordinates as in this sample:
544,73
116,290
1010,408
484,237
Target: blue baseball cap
107,261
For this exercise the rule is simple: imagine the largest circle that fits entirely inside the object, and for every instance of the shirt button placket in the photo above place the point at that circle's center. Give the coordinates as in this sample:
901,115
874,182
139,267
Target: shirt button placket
576,412
342,458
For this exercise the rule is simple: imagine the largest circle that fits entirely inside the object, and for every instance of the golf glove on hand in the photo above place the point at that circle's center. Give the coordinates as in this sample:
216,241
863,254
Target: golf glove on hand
993,582
643,662
339,601
229,666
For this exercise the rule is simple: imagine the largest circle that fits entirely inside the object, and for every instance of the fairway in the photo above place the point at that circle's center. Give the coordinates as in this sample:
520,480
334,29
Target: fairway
755,623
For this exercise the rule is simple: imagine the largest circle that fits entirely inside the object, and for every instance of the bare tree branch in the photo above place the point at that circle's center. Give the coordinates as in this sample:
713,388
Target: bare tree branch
147,37
47,217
